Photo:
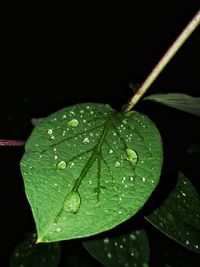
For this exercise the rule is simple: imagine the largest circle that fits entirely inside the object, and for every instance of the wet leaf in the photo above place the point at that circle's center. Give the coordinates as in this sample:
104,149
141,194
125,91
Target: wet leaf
87,168
179,216
30,254
131,249
179,101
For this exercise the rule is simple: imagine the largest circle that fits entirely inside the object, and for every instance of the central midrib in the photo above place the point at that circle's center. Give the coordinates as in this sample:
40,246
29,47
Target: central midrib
89,163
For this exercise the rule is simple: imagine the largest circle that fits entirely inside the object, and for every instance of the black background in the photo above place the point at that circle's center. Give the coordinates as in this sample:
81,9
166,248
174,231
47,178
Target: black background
52,59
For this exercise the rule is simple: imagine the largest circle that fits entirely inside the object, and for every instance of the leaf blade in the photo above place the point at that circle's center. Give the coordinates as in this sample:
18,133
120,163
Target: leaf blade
89,157
179,216
122,250
179,101
29,254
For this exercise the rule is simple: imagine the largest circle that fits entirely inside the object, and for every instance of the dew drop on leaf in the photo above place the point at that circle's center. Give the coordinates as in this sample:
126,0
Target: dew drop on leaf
72,202
61,165
50,131
86,140
117,164
131,156
109,255
73,123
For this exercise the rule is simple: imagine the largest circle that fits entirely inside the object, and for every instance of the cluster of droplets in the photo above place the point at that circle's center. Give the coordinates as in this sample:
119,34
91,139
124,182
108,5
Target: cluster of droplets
28,249
124,251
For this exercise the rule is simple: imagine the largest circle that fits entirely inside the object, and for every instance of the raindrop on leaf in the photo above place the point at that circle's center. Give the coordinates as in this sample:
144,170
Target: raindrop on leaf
73,123
72,202
61,165
131,156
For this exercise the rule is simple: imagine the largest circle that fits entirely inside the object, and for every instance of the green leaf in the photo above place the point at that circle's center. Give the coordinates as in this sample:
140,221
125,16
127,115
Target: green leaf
179,216
88,168
179,101
29,254
130,249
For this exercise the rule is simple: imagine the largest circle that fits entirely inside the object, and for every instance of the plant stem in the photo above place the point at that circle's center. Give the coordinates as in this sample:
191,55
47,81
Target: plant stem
187,31
6,142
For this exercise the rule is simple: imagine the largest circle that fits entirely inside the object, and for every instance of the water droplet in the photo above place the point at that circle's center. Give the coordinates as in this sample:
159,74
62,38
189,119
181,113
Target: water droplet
50,131
117,164
17,254
196,246
143,179
72,202
58,230
91,112
109,255
73,123
64,116
55,157
121,246
106,240
135,253
52,137
61,165
131,179
169,217
132,237
86,140
131,156
110,151
187,242
81,111
124,121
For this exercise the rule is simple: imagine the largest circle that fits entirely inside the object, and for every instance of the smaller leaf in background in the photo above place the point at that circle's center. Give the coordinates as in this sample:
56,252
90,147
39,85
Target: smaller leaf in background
194,149
131,249
29,254
179,216
179,101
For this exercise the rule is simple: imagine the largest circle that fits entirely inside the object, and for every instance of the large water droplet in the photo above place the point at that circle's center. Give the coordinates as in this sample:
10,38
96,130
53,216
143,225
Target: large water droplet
50,131
73,123
72,202
131,156
86,140
61,165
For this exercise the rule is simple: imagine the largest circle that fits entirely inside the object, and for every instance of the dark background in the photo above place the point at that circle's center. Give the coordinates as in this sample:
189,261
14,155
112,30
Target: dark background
52,59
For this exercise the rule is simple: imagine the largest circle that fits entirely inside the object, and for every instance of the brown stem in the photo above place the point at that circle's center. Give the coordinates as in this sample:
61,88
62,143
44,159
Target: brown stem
7,142
192,25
